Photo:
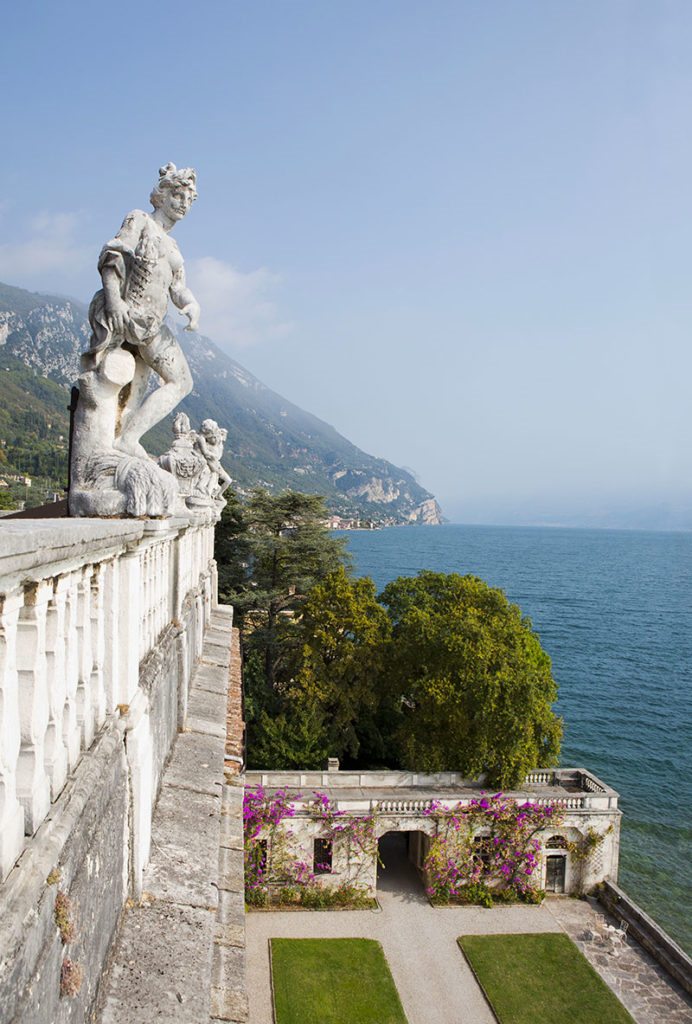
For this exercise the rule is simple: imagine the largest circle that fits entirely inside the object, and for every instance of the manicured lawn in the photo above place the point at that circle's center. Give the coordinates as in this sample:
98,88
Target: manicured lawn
333,981
540,979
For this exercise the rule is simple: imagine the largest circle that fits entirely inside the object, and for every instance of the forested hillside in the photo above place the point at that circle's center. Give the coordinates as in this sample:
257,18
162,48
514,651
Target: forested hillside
271,442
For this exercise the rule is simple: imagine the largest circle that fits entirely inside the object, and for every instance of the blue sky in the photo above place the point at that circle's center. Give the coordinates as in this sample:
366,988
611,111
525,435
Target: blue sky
458,231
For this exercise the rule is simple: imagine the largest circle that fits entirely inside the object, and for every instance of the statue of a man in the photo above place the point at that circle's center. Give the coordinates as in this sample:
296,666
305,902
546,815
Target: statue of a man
141,268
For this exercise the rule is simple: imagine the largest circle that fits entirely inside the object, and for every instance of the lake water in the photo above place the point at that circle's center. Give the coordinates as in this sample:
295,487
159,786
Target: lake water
614,610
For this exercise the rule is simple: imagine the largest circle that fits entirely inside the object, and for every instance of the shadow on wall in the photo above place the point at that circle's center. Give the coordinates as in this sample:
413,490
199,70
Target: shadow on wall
399,852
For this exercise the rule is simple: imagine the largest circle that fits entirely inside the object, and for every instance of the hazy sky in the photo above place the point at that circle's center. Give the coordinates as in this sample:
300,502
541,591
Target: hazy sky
458,231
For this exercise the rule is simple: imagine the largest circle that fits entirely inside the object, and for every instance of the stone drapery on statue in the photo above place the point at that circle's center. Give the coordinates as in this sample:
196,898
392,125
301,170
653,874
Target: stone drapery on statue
141,269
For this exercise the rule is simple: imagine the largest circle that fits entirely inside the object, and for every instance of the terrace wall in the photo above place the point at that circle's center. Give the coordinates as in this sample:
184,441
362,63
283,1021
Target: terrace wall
101,626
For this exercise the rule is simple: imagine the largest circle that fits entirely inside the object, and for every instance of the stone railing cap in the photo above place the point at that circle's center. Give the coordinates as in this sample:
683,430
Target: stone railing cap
30,544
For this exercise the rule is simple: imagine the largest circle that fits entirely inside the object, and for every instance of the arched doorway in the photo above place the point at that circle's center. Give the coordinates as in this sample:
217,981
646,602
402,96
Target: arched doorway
555,864
401,855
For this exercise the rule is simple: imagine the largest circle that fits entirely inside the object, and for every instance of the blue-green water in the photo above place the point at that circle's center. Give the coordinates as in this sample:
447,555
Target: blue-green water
614,610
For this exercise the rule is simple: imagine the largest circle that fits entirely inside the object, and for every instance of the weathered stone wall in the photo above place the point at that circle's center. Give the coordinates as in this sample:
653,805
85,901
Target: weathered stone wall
648,934
81,853
101,626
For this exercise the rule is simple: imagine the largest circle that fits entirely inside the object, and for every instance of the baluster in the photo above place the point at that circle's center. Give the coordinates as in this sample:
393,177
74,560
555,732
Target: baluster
33,784
111,623
56,758
11,810
130,625
85,710
71,729
98,645
146,594
156,609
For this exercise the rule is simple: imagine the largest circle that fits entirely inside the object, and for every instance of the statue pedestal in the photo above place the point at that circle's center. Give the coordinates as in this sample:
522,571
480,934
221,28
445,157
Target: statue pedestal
105,481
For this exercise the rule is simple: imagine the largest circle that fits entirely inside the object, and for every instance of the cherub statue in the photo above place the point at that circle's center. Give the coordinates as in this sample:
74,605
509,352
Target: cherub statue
210,441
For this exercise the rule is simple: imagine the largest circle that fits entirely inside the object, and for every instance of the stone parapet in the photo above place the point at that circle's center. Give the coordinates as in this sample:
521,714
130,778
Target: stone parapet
404,792
88,610
180,953
648,934
102,626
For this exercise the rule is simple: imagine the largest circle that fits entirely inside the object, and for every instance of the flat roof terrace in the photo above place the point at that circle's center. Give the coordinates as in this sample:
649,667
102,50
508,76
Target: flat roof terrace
401,792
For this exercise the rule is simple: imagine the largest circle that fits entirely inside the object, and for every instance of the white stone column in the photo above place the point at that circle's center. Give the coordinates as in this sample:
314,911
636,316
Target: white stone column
72,731
139,757
85,710
33,784
56,759
11,811
98,646
129,627
112,611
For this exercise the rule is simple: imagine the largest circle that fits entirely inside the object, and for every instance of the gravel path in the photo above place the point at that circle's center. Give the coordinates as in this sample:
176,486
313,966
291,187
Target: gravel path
431,975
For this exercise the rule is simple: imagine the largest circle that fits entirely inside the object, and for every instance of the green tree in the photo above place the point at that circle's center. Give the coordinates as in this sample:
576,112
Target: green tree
231,549
282,549
474,684
331,703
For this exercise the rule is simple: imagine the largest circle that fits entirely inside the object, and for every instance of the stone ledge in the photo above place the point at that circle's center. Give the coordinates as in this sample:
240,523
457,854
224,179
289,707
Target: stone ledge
180,953
196,764
185,842
648,934
161,969
228,995
29,544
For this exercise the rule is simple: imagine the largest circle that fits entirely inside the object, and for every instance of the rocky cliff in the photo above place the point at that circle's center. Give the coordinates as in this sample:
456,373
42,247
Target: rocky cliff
270,441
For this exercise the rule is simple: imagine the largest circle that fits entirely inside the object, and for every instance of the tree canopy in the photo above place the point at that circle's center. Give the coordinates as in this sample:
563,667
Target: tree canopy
330,701
440,673
475,685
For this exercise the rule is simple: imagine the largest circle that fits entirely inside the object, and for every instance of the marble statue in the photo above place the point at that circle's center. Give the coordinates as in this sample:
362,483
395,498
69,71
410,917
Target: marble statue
141,269
194,459
209,443
183,460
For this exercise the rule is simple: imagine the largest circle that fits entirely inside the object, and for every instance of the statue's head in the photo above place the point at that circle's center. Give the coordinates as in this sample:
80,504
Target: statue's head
175,192
209,428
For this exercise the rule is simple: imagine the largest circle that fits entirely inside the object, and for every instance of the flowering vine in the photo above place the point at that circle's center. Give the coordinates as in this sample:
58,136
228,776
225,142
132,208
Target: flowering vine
272,873
358,831
265,840
487,844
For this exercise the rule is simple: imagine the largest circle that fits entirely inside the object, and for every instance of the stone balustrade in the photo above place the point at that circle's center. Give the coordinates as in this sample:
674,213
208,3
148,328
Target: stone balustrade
83,606
401,806
540,778
570,789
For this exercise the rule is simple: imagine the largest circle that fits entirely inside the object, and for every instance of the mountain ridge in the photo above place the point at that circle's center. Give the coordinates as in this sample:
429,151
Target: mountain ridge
271,441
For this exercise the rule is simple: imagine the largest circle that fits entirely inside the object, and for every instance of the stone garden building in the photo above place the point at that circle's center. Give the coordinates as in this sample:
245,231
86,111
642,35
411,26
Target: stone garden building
403,802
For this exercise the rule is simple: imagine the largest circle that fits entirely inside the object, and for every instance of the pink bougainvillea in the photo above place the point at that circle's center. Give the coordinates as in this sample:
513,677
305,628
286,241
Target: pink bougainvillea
488,844
269,866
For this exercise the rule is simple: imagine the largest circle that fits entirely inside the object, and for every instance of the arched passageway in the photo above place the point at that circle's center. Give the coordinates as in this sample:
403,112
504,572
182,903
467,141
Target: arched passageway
401,856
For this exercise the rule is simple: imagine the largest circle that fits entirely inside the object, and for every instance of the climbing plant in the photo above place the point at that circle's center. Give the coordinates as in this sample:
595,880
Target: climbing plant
583,847
486,849
274,875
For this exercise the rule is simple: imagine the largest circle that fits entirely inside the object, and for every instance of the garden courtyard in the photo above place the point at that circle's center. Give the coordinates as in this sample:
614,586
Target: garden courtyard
433,979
